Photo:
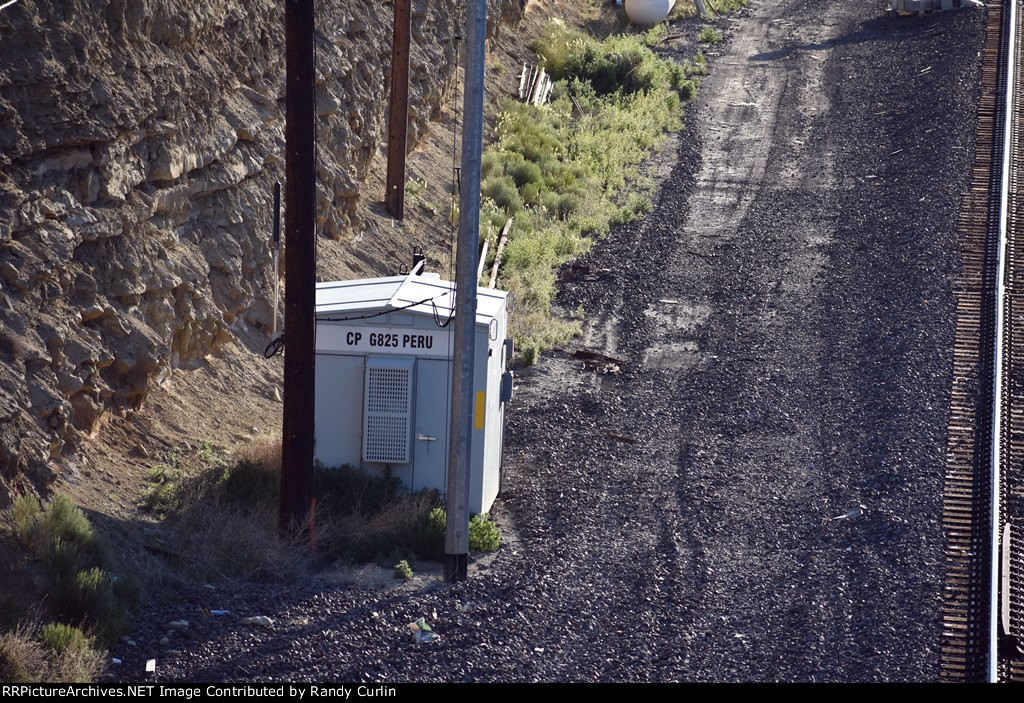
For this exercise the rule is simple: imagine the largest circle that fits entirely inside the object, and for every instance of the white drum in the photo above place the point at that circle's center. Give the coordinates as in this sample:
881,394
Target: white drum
648,12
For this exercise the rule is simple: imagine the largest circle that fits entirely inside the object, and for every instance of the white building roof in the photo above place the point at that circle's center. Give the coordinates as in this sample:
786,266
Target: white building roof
426,295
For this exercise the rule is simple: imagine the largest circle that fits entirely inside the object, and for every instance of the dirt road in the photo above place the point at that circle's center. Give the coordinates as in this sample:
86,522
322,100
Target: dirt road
756,494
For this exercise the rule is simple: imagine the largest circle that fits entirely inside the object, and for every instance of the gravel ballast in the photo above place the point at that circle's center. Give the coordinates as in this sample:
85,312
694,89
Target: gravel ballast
756,493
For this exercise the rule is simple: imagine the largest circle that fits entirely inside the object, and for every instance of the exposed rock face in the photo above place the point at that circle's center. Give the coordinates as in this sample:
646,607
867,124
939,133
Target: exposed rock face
139,143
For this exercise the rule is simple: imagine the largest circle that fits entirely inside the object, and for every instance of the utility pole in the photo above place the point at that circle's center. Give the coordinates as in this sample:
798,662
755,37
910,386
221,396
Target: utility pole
456,544
398,112
300,266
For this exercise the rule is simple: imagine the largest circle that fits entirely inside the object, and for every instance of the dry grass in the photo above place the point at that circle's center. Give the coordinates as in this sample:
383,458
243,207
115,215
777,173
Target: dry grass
220,541
221,512
23,659
221,515
397,530
265,453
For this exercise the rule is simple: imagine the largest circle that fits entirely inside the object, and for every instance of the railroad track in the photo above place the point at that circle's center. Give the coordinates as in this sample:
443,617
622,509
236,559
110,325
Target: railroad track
983,506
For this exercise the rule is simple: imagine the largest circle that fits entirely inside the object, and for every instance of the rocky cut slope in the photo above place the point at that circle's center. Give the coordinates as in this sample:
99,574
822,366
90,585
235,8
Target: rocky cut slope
138,148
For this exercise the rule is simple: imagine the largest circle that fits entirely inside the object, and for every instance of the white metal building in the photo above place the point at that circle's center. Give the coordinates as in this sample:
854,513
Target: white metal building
384,375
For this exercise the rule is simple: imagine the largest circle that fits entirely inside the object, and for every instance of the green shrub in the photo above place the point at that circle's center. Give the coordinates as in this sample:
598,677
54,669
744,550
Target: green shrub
71,556
58,637
403,570
161,493
437,521
656,34
62,520
483,534
503,192
91,595
72,655
25,511
531,353
709,35
530,194
488,163
524,172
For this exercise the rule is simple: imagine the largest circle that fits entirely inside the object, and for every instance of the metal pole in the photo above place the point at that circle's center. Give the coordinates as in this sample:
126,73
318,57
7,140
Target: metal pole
277,254
699,5
300,266
456,547
398,113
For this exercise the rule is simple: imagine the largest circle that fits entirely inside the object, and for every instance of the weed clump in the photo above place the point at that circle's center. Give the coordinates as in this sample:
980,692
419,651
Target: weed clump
484,535
567,172
402,570
709,35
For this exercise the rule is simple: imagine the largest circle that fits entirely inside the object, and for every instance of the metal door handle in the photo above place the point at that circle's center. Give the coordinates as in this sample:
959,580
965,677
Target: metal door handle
425,438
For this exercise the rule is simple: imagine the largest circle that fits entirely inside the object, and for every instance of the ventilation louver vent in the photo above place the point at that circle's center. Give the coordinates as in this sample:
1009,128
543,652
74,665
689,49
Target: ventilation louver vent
388,404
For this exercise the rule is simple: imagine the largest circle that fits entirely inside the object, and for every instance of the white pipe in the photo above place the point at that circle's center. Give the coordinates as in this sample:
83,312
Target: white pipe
998,375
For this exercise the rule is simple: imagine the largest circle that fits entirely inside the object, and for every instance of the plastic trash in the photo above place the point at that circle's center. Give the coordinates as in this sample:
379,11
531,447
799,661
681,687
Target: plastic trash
421,632
150,666
115,661
218,613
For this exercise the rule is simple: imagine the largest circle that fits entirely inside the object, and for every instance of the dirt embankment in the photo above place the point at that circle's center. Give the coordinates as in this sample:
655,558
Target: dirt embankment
139,149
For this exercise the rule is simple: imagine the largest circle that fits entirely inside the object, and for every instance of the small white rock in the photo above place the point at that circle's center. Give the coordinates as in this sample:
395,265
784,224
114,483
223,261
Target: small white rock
260,620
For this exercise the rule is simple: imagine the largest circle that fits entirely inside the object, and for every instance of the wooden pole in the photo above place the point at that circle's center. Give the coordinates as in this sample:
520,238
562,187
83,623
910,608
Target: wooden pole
300,266
398,112
498,251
